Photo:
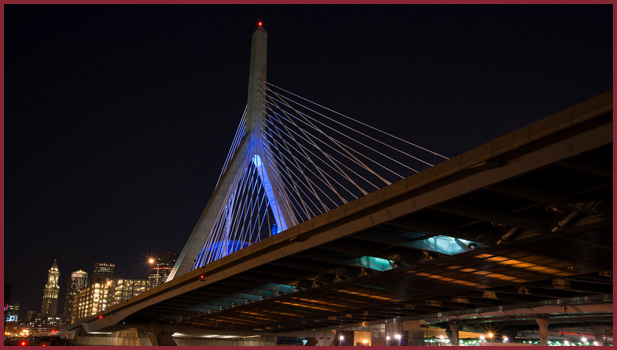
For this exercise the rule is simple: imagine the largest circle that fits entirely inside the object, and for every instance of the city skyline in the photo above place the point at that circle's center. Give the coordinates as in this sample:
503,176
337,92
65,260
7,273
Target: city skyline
77,281
130,126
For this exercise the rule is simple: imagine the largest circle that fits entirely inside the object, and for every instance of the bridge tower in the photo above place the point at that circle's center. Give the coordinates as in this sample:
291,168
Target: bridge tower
251,148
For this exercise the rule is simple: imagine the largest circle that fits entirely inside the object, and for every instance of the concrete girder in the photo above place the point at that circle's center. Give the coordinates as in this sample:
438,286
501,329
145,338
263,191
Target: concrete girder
512,293
527,312
355,246
419,223
301,264
579,287
544,196
489,214
590,167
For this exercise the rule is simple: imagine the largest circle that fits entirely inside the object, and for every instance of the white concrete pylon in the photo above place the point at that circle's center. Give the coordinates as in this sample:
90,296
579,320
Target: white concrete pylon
252,149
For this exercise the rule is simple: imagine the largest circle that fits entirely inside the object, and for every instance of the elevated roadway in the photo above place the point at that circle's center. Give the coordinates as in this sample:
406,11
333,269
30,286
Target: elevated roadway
525,219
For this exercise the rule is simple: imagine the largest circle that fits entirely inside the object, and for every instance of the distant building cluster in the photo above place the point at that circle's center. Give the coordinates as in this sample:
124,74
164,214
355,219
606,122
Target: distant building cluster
161,268
86,295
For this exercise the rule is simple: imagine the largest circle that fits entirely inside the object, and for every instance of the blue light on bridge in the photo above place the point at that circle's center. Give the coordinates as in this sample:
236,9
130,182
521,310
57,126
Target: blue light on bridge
257,161
275,229
228,246
223,247
272,201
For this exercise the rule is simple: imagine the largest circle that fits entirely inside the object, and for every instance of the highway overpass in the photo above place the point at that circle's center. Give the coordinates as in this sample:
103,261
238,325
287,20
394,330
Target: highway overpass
524,221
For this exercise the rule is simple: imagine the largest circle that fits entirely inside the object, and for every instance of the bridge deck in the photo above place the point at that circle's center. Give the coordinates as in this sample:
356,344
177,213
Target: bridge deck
537,202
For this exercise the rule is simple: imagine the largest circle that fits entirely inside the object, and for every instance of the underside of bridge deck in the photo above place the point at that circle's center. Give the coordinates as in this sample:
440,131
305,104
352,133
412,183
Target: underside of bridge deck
537,237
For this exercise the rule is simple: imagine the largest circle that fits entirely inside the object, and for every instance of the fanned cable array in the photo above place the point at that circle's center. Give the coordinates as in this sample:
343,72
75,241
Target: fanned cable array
234,144
328,159
246,217
300,160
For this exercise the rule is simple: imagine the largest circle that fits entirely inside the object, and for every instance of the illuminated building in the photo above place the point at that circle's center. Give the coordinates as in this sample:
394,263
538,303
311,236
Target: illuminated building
50,293
99,296
161,267
77,282
11,312
95,297
11,319
46,324
124,289
90,300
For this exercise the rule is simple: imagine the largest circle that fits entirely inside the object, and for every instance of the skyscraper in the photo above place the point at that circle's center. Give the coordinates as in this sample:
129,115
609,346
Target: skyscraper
50,293
77,282
103,272
161,267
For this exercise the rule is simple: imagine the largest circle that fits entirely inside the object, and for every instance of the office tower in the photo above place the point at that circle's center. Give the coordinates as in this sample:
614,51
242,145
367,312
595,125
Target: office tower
161,267
50,293
103,272
77,282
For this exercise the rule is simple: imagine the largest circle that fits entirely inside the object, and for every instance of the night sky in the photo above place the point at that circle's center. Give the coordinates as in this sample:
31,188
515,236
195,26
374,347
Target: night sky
118,118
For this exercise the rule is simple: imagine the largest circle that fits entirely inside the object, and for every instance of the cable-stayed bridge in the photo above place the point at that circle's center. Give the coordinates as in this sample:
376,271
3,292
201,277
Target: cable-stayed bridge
319,221
291,160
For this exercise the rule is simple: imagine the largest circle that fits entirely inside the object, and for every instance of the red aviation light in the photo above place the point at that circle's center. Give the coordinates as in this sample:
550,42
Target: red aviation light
260,24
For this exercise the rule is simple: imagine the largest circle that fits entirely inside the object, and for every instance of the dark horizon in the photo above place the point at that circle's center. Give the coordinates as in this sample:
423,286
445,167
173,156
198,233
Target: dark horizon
119,118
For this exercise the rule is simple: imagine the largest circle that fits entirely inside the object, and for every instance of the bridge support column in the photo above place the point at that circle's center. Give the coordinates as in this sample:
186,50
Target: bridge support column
453,333
598,332
160,337
543,323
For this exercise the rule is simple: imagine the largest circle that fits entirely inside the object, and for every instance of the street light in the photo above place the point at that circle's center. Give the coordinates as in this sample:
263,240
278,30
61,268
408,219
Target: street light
340,340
